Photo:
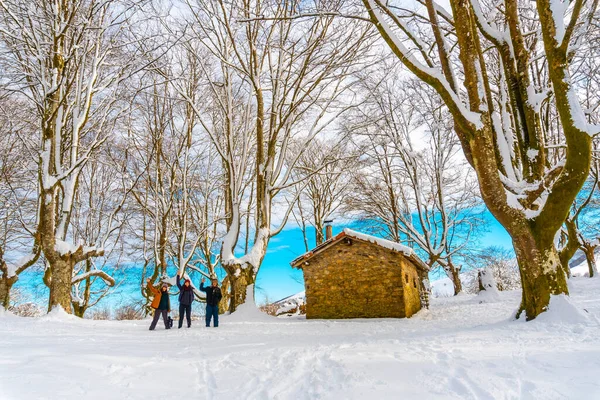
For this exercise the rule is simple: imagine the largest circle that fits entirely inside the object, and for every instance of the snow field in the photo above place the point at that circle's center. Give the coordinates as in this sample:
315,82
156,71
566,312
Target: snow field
462,348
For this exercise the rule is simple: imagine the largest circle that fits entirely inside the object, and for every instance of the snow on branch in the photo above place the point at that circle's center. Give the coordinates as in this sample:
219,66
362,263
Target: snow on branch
431,75
317,14
578,115
530,197
79,252
256,253
13,269
109,280
492,33
559,8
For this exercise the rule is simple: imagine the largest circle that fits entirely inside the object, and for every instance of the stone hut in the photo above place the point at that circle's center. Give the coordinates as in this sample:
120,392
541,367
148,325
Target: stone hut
353,275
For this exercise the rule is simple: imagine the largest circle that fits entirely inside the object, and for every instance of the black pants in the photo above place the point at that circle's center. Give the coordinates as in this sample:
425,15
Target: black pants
187,310
157,314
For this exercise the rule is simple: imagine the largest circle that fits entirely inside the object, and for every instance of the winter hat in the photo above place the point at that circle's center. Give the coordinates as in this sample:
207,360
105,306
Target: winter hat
165,285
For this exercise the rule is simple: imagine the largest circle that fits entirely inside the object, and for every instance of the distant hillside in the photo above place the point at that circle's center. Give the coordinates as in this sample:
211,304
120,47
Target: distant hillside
579,258
291,305
579,265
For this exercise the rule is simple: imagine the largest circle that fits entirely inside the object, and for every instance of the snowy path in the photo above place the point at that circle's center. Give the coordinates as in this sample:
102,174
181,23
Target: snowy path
459,350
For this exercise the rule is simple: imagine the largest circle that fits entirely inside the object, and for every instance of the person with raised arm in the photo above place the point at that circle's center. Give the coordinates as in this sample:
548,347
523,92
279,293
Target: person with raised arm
186,298
161,304
213,297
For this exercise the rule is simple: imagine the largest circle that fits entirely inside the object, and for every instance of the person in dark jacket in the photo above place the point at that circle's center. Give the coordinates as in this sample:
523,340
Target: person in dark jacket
161,304
213,296
186,298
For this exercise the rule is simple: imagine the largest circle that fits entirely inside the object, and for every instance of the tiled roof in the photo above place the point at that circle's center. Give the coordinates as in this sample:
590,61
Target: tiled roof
397,247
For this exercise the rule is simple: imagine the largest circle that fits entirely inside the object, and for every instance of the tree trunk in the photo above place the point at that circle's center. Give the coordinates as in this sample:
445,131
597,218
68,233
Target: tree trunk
566,269
6,285
590,257
453,273
319,237
455,277
59,269
540,267
224,304
55,275
234,287
78,310
480,281
571,247
539,263
542,275
425,287
60,284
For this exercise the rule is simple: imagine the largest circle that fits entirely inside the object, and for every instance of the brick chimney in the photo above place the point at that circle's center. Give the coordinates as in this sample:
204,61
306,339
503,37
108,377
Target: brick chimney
328,229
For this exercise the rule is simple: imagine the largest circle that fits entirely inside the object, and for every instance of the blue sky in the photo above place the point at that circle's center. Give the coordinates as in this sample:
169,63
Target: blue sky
277,279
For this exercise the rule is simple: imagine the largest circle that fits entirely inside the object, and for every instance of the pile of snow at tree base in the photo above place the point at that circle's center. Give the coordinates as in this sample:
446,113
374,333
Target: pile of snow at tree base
462,348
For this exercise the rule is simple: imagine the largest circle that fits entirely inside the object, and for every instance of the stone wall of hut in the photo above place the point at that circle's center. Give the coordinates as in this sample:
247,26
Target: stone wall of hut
357,279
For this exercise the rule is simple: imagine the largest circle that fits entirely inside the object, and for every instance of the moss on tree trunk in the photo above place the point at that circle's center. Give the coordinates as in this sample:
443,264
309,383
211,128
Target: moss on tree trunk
79,310
60,285
6,285
235,286
59,273
542,275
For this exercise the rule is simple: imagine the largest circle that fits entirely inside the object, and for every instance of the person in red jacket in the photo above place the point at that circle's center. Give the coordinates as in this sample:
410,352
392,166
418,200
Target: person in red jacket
161,304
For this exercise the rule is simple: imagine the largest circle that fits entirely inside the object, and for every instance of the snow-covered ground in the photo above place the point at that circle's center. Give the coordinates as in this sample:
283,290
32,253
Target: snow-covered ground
460,349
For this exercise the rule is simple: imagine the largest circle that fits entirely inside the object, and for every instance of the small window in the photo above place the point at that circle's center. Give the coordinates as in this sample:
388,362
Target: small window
406,277
415,283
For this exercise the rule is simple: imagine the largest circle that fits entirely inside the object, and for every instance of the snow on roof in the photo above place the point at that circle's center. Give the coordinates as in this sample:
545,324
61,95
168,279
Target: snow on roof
388,244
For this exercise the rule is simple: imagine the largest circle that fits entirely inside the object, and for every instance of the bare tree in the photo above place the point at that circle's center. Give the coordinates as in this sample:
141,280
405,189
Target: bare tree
99,218
324,192
64,57
179,202
500,261
580,232
275,80
18,198
418,188
496,80
157,146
